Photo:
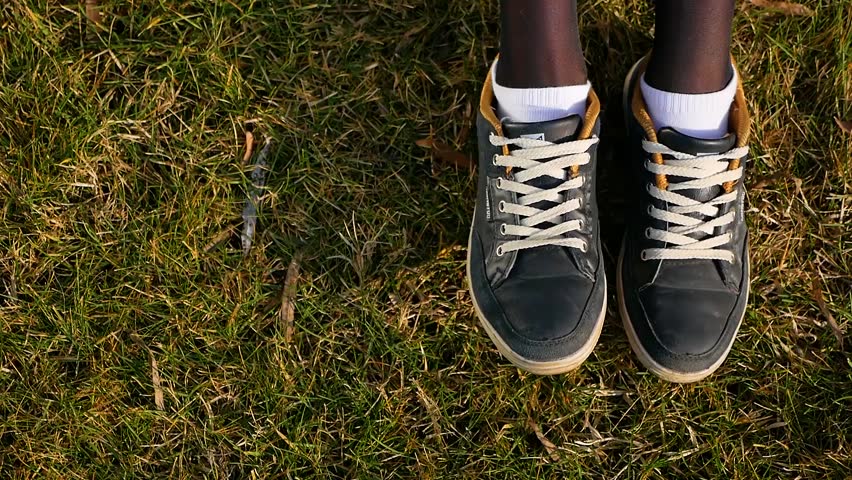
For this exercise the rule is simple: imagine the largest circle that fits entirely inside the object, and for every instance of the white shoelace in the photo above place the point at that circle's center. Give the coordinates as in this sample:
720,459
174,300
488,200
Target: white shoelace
525,159
705,171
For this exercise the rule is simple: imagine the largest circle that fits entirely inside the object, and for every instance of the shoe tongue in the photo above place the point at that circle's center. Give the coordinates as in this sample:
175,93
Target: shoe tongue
556,131
695,146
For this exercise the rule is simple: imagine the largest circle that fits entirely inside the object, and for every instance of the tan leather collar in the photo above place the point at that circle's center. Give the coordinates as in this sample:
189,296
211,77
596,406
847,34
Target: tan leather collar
739,122
486,108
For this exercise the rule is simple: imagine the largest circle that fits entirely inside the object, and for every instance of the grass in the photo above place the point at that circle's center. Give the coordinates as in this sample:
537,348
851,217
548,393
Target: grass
120,162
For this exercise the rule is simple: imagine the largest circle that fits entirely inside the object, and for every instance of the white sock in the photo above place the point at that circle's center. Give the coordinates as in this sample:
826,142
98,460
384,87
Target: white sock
528,105
703,115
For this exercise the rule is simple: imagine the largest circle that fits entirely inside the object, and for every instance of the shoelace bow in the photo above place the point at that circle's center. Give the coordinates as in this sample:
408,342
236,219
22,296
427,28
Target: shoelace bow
525,160
704,171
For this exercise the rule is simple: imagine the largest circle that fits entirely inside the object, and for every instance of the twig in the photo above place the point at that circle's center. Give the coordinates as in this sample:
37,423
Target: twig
286,315
219,239
249,147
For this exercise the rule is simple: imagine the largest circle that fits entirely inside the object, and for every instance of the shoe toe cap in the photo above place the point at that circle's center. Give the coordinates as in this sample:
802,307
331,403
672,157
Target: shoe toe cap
545,309
685,321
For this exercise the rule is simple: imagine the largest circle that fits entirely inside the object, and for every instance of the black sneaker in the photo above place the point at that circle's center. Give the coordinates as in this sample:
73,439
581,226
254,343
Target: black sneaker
534,257
683,274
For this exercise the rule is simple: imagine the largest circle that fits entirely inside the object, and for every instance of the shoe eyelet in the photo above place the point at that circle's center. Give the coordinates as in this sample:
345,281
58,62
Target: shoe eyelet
501,207
503,229
579,202
643,256
648,211
585,247
582,224
499,183
648,187
494,159
648,233
500,251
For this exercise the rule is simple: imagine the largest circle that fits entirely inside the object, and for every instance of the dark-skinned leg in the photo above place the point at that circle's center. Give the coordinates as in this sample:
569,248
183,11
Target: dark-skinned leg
541,74
540,44
692,45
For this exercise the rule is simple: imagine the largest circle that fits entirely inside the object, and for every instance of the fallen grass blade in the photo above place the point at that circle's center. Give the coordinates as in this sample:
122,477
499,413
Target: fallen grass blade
433,410
548,445
286,315
159,402
823,307
587,425
445,154
787,8
11,286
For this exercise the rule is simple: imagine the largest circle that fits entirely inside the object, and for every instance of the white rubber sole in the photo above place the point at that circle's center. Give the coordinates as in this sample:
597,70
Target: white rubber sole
554,367
649,363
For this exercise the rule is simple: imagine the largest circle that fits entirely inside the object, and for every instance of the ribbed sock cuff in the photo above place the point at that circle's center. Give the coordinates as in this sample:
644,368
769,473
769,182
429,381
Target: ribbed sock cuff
529,105
703,115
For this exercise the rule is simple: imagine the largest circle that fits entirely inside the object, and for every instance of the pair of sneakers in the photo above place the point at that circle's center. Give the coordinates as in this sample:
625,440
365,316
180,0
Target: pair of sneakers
535,265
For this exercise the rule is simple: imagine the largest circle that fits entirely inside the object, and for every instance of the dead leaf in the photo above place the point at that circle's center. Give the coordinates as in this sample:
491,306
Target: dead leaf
548,445
155,372
787,8
766,180
93,12
823,307
445,153
286,315
845,125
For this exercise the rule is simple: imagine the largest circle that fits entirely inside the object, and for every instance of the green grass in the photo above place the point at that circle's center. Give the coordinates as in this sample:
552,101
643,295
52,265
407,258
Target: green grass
121,160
